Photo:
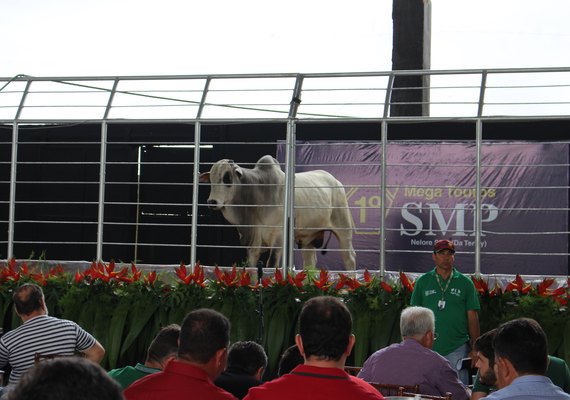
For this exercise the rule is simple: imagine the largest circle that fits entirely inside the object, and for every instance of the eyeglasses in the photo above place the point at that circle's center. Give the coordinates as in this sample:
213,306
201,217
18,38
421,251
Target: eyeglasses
435,336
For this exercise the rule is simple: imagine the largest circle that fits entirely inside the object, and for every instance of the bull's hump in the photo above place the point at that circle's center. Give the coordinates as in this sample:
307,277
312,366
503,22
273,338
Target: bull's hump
266,161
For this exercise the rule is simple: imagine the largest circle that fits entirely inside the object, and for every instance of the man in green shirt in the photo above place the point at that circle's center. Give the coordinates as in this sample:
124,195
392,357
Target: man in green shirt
162,349
485,380
453,299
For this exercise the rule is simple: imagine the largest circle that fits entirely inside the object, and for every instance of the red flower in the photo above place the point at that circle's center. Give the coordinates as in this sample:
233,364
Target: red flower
39,278
150,278
266,282
323,282
79,277
24,269
368,279
9,271
279,277
198,275
518,285
352,283
386,287
341,281
543,288
480,285
136,274
228,279
245,278
182,274
297,280
409,285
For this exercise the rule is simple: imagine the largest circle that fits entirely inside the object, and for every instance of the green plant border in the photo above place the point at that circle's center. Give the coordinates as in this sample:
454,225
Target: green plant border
125,308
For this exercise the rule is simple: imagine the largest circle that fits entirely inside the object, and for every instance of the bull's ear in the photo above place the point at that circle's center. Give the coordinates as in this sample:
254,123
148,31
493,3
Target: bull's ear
205,177
238,170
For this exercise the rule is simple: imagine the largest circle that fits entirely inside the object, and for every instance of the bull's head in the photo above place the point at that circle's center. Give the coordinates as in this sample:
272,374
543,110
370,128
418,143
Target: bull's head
224,177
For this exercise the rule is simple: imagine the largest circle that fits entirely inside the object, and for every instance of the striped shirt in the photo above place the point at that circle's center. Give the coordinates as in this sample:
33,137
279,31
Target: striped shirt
42,334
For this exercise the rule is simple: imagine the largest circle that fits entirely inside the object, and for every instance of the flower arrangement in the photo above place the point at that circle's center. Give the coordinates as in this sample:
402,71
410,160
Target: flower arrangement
124,308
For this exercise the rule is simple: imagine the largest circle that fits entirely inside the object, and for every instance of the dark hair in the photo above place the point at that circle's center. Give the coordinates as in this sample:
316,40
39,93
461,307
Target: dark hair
247,357
289,360
484,345
164,344
523,342
325,326
71,378
202,334
28,298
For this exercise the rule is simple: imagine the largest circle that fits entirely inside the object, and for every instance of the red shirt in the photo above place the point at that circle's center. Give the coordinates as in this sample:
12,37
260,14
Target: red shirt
179,380
314,383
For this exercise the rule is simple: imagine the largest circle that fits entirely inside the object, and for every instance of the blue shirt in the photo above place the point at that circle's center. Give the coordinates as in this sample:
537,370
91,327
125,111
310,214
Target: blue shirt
529,387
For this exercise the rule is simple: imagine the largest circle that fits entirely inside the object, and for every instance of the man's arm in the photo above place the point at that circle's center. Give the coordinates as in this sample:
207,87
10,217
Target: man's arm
95,353
446,380
474,333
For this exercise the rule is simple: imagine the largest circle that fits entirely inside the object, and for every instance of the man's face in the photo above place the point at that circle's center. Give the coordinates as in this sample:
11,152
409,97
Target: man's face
486,372
444,259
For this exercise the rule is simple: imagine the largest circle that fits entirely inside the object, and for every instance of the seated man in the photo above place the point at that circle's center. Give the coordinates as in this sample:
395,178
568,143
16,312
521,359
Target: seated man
43,334
69,378
485,380
246,363
289,360
521,357
202,356
325,341
412,362
162,349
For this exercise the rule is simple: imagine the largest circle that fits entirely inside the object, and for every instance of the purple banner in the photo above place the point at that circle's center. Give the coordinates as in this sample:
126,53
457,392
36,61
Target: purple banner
430,195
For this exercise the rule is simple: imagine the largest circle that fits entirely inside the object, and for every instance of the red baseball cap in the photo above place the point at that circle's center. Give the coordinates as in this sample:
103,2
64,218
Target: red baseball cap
443,245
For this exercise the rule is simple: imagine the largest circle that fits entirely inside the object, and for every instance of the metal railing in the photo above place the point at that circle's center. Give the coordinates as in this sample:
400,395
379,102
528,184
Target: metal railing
29,104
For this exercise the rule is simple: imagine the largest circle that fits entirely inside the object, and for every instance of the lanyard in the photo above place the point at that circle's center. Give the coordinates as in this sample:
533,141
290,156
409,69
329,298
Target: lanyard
443,290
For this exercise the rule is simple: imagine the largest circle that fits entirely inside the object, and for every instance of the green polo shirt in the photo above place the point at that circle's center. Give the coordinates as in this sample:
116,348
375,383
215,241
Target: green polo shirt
450,321
127,375
557,371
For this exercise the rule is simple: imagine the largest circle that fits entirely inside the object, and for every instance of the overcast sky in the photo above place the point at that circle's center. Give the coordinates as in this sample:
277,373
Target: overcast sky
140,37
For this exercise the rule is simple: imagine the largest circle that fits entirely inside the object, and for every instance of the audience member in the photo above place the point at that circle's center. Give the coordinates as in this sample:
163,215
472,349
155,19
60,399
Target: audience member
202,356
42,334
162,349
246,363
521,358
453,299
485,380
412,362
325,341
70,378
289,360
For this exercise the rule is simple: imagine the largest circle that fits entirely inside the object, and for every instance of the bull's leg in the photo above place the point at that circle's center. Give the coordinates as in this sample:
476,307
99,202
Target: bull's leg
253,254
347,252
274,258
309,256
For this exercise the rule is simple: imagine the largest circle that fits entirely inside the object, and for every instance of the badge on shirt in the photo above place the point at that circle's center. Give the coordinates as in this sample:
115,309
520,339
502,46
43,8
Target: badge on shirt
441,304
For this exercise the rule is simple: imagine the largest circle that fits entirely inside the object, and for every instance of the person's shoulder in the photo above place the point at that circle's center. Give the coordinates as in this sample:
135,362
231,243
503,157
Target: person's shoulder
556,362
269,390
463,277
426,276
119,371
364,389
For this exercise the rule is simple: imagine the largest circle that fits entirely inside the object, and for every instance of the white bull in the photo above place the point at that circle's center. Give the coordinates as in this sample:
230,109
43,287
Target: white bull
253,198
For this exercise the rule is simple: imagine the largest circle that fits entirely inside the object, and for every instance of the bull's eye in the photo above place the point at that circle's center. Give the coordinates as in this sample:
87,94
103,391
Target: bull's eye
227,179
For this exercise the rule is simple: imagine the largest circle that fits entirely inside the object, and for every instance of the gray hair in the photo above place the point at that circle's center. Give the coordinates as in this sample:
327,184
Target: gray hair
416,321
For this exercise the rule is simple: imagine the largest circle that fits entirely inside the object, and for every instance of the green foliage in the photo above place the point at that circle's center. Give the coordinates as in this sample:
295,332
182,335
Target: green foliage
124,310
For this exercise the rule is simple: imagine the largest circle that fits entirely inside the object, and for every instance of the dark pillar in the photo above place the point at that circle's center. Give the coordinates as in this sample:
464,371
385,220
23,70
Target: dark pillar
410,51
